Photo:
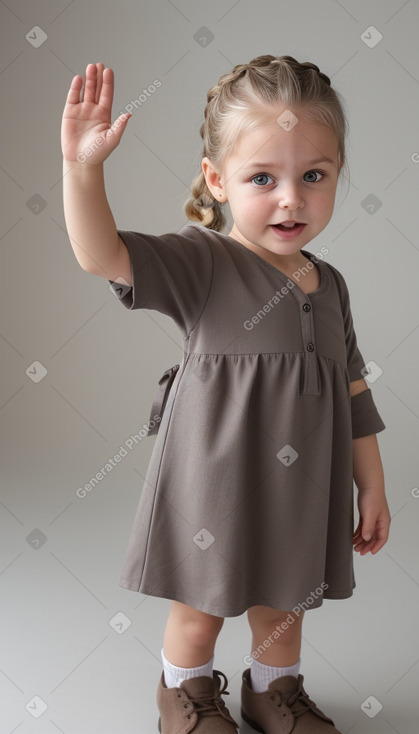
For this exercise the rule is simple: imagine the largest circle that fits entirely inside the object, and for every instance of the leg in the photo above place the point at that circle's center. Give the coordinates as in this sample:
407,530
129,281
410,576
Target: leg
189,692
190,636
287,701
285,649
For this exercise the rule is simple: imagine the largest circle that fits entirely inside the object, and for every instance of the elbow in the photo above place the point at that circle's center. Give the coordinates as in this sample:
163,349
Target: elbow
85,261
89,266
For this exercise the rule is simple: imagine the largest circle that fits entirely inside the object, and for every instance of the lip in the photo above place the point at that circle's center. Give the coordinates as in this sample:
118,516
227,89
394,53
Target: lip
292,233
290,221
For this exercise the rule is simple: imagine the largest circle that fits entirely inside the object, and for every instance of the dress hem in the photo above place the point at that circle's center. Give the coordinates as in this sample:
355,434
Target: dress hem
232,613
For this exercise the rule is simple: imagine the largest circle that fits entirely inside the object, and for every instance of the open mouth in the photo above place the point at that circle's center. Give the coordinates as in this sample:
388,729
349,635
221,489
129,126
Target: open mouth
288,232
284,227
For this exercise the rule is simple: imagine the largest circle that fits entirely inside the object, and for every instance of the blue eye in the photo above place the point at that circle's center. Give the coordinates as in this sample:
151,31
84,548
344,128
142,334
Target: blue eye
261,175
311,172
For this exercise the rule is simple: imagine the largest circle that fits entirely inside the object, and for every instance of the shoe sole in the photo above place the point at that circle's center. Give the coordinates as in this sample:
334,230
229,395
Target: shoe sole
251,723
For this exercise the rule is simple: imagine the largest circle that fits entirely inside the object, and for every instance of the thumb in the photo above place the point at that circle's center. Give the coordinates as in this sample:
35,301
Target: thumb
368,527
118,128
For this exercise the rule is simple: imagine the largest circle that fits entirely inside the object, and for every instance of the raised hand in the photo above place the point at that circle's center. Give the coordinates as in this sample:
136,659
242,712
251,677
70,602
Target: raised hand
87,136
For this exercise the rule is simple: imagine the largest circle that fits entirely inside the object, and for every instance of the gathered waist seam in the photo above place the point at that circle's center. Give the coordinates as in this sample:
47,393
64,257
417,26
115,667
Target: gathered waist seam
261,354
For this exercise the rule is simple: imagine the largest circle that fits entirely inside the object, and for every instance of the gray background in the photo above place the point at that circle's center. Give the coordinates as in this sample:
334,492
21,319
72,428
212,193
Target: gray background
61,646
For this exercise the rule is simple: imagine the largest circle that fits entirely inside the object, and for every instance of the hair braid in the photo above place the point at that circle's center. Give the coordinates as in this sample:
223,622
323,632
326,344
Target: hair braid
234,105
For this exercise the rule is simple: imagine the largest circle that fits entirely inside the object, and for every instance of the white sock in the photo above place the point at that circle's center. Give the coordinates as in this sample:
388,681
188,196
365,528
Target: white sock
174,676
261,675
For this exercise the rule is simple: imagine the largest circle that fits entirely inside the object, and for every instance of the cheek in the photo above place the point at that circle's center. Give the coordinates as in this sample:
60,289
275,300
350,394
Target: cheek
325,203
254,207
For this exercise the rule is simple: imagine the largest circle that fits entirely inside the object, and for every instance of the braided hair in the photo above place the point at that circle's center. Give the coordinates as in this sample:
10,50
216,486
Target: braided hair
235,105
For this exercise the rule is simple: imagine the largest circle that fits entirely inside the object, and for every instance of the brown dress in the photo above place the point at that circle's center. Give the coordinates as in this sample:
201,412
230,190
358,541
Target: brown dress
248,497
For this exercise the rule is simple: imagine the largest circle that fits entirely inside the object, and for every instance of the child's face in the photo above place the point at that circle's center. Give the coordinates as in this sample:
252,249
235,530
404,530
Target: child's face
283,186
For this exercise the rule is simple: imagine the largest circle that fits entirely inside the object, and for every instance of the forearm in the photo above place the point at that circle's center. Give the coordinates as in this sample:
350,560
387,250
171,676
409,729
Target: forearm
90,224
367,466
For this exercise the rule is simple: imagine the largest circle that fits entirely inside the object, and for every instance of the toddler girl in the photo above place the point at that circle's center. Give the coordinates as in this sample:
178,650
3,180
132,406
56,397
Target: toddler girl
263,427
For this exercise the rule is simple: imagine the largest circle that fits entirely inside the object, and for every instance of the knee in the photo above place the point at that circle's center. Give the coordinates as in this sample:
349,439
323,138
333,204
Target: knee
265,621
199,629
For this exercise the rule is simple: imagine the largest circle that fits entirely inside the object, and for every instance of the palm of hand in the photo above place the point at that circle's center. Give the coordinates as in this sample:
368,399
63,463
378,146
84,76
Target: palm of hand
86,131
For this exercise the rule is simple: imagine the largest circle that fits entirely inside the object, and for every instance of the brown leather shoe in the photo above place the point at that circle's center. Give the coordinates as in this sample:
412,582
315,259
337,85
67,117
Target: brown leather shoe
196,706
284,708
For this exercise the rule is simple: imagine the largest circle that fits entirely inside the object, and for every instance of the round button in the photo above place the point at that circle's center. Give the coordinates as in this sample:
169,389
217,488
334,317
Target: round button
306,307
310,347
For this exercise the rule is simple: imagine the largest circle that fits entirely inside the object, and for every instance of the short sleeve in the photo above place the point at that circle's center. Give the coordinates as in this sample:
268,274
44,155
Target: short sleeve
171,273
365,416
354,359
366,419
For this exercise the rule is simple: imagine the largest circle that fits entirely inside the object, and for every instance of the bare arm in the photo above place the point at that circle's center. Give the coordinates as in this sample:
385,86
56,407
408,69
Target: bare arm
90,224
367,466
374,515
87,139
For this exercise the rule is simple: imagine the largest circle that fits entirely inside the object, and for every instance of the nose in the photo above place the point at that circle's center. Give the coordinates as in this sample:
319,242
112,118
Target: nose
290,195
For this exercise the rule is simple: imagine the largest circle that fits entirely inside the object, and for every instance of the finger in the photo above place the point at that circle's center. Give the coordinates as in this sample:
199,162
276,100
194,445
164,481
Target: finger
99,77
359,545
73,96
378,545
368,528
118,127
106,96
381,539
90,88
362,548
357,534
365,547
367,534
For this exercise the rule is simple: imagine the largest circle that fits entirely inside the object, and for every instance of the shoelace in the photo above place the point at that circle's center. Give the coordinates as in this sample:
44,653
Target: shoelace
301,696
212,705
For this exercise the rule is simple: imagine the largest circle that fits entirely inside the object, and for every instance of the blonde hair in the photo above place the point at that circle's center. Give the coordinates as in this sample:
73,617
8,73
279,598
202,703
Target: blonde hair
238,102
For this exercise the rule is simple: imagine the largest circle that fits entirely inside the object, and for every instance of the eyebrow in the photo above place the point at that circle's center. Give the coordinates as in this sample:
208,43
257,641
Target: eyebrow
271,165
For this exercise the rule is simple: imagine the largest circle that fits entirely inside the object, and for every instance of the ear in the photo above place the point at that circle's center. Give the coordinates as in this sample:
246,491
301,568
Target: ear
213,180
